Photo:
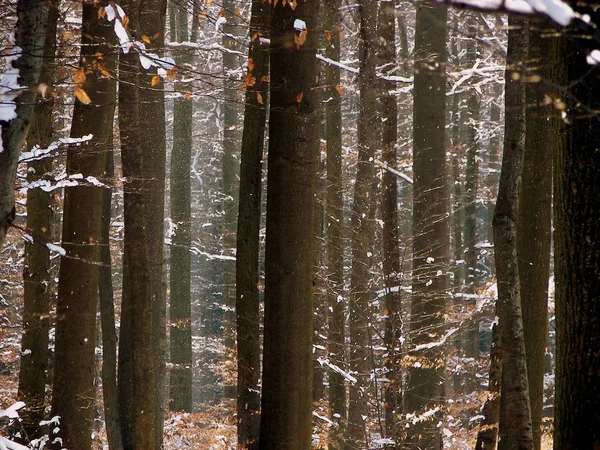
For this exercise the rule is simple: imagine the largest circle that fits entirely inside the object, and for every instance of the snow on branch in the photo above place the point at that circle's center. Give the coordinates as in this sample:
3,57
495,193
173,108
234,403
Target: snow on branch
114,13
336,369
434,344
38,153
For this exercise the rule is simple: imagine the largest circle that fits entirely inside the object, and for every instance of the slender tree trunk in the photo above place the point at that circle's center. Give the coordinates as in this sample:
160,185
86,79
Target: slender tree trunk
247,274
36,273
320,312
231,166
74,392
389,211
107,317
286,422
577,250
534,222
180,274
471,188
515,412
425,393
361,227
30,34
335,220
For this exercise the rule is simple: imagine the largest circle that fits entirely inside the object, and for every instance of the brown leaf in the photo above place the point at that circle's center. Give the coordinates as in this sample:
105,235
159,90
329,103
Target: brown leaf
172,73
188,95
299,97
145,38
250,64
293,4
101,12
339,89
155,80
125,21
82,96
300,39
328,35
266,79
79,75
249,80
259,98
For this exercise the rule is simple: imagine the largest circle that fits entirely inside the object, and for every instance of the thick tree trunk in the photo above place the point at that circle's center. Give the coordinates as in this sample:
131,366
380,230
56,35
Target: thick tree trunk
36,273
180,324
389,212
152,16
74,391
286,422
30,34
247,276
361,227
515,413
577,250
425,392
534,221
335,220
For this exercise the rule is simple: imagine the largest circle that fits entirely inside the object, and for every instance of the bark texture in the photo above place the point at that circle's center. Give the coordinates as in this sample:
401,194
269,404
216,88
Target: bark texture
248,243
36,274
286,421
74,391
424,393
335,221
577,251
362,229
534,220
515,412
30,35
180,324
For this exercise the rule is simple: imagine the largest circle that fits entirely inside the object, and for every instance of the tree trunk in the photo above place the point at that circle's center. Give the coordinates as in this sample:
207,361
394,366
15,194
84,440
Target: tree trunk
389,212
577,250
247,274
74,392
534,221
137,383
180,272
487,436
286,422
515,413
30,34
361,227
152,16
36,273
335,220
231,166
425,392
107,316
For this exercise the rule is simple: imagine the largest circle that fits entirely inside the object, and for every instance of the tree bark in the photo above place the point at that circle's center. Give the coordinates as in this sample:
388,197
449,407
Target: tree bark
36,273
389,212
534,220
335,221
248,242
180,272
515,412
74,391
107,318
361,227
425,392
286,421
577,251
30,35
